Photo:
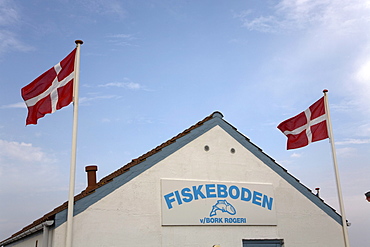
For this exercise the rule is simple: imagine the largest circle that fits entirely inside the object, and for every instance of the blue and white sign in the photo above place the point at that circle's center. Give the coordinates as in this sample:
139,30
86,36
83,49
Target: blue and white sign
190,202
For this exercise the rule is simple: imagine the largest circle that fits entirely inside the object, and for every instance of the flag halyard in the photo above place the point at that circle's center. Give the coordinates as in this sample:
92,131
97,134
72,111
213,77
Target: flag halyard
306,127
50,91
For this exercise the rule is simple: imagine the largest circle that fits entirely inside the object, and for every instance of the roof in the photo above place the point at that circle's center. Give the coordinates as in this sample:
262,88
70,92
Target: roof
124,174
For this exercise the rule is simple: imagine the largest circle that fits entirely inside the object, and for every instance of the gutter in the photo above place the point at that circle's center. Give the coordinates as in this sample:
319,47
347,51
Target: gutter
45,226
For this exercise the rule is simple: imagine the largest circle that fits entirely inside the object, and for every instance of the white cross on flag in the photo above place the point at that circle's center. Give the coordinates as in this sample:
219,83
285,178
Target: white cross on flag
308,126
50,91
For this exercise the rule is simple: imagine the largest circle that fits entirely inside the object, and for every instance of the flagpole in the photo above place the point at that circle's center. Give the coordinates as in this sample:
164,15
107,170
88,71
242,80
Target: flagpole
72,174
339,190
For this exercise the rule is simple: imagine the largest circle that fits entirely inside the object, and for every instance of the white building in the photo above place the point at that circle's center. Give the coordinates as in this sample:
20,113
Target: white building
208,186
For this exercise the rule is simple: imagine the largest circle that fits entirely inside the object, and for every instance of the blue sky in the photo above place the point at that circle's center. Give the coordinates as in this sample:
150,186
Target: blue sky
151,69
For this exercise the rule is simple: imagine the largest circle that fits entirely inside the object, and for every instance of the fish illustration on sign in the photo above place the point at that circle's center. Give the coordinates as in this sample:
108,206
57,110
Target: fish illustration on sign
223,206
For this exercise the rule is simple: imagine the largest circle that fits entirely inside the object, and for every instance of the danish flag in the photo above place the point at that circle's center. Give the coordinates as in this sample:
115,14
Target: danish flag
308,126
50,91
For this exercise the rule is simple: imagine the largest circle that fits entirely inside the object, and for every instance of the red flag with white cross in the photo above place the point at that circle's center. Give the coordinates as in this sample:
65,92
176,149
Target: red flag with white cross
308,126
50,91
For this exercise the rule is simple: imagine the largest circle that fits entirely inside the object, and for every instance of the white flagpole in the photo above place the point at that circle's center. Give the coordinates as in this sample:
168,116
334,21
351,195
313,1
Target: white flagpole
72,174
331,139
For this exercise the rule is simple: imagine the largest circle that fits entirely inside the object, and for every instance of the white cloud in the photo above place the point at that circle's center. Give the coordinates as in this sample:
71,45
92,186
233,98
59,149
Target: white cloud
364,130
123,36
122,39
85,100
102,7
346,152
262,24
363,73
8,13
9,18
353,141
330,46
336,16
106,120
28,175
9,41
11,151
296,155
126,84
361,78
15,105
25,167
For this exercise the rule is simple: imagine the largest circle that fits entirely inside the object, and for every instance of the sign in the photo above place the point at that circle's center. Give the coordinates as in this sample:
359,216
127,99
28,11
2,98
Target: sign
190,202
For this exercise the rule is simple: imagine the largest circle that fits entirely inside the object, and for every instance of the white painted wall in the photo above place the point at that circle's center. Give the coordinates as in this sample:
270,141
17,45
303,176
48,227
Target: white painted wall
29,241
131,215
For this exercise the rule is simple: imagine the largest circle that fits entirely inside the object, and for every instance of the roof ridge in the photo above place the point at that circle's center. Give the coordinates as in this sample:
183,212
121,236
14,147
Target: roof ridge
111,176
155,150
143,157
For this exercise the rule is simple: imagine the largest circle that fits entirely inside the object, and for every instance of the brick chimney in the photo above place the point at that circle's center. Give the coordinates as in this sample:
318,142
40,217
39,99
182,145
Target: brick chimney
91,177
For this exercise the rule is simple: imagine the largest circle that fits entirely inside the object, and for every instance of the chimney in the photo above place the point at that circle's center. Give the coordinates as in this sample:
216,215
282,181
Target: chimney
91,177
